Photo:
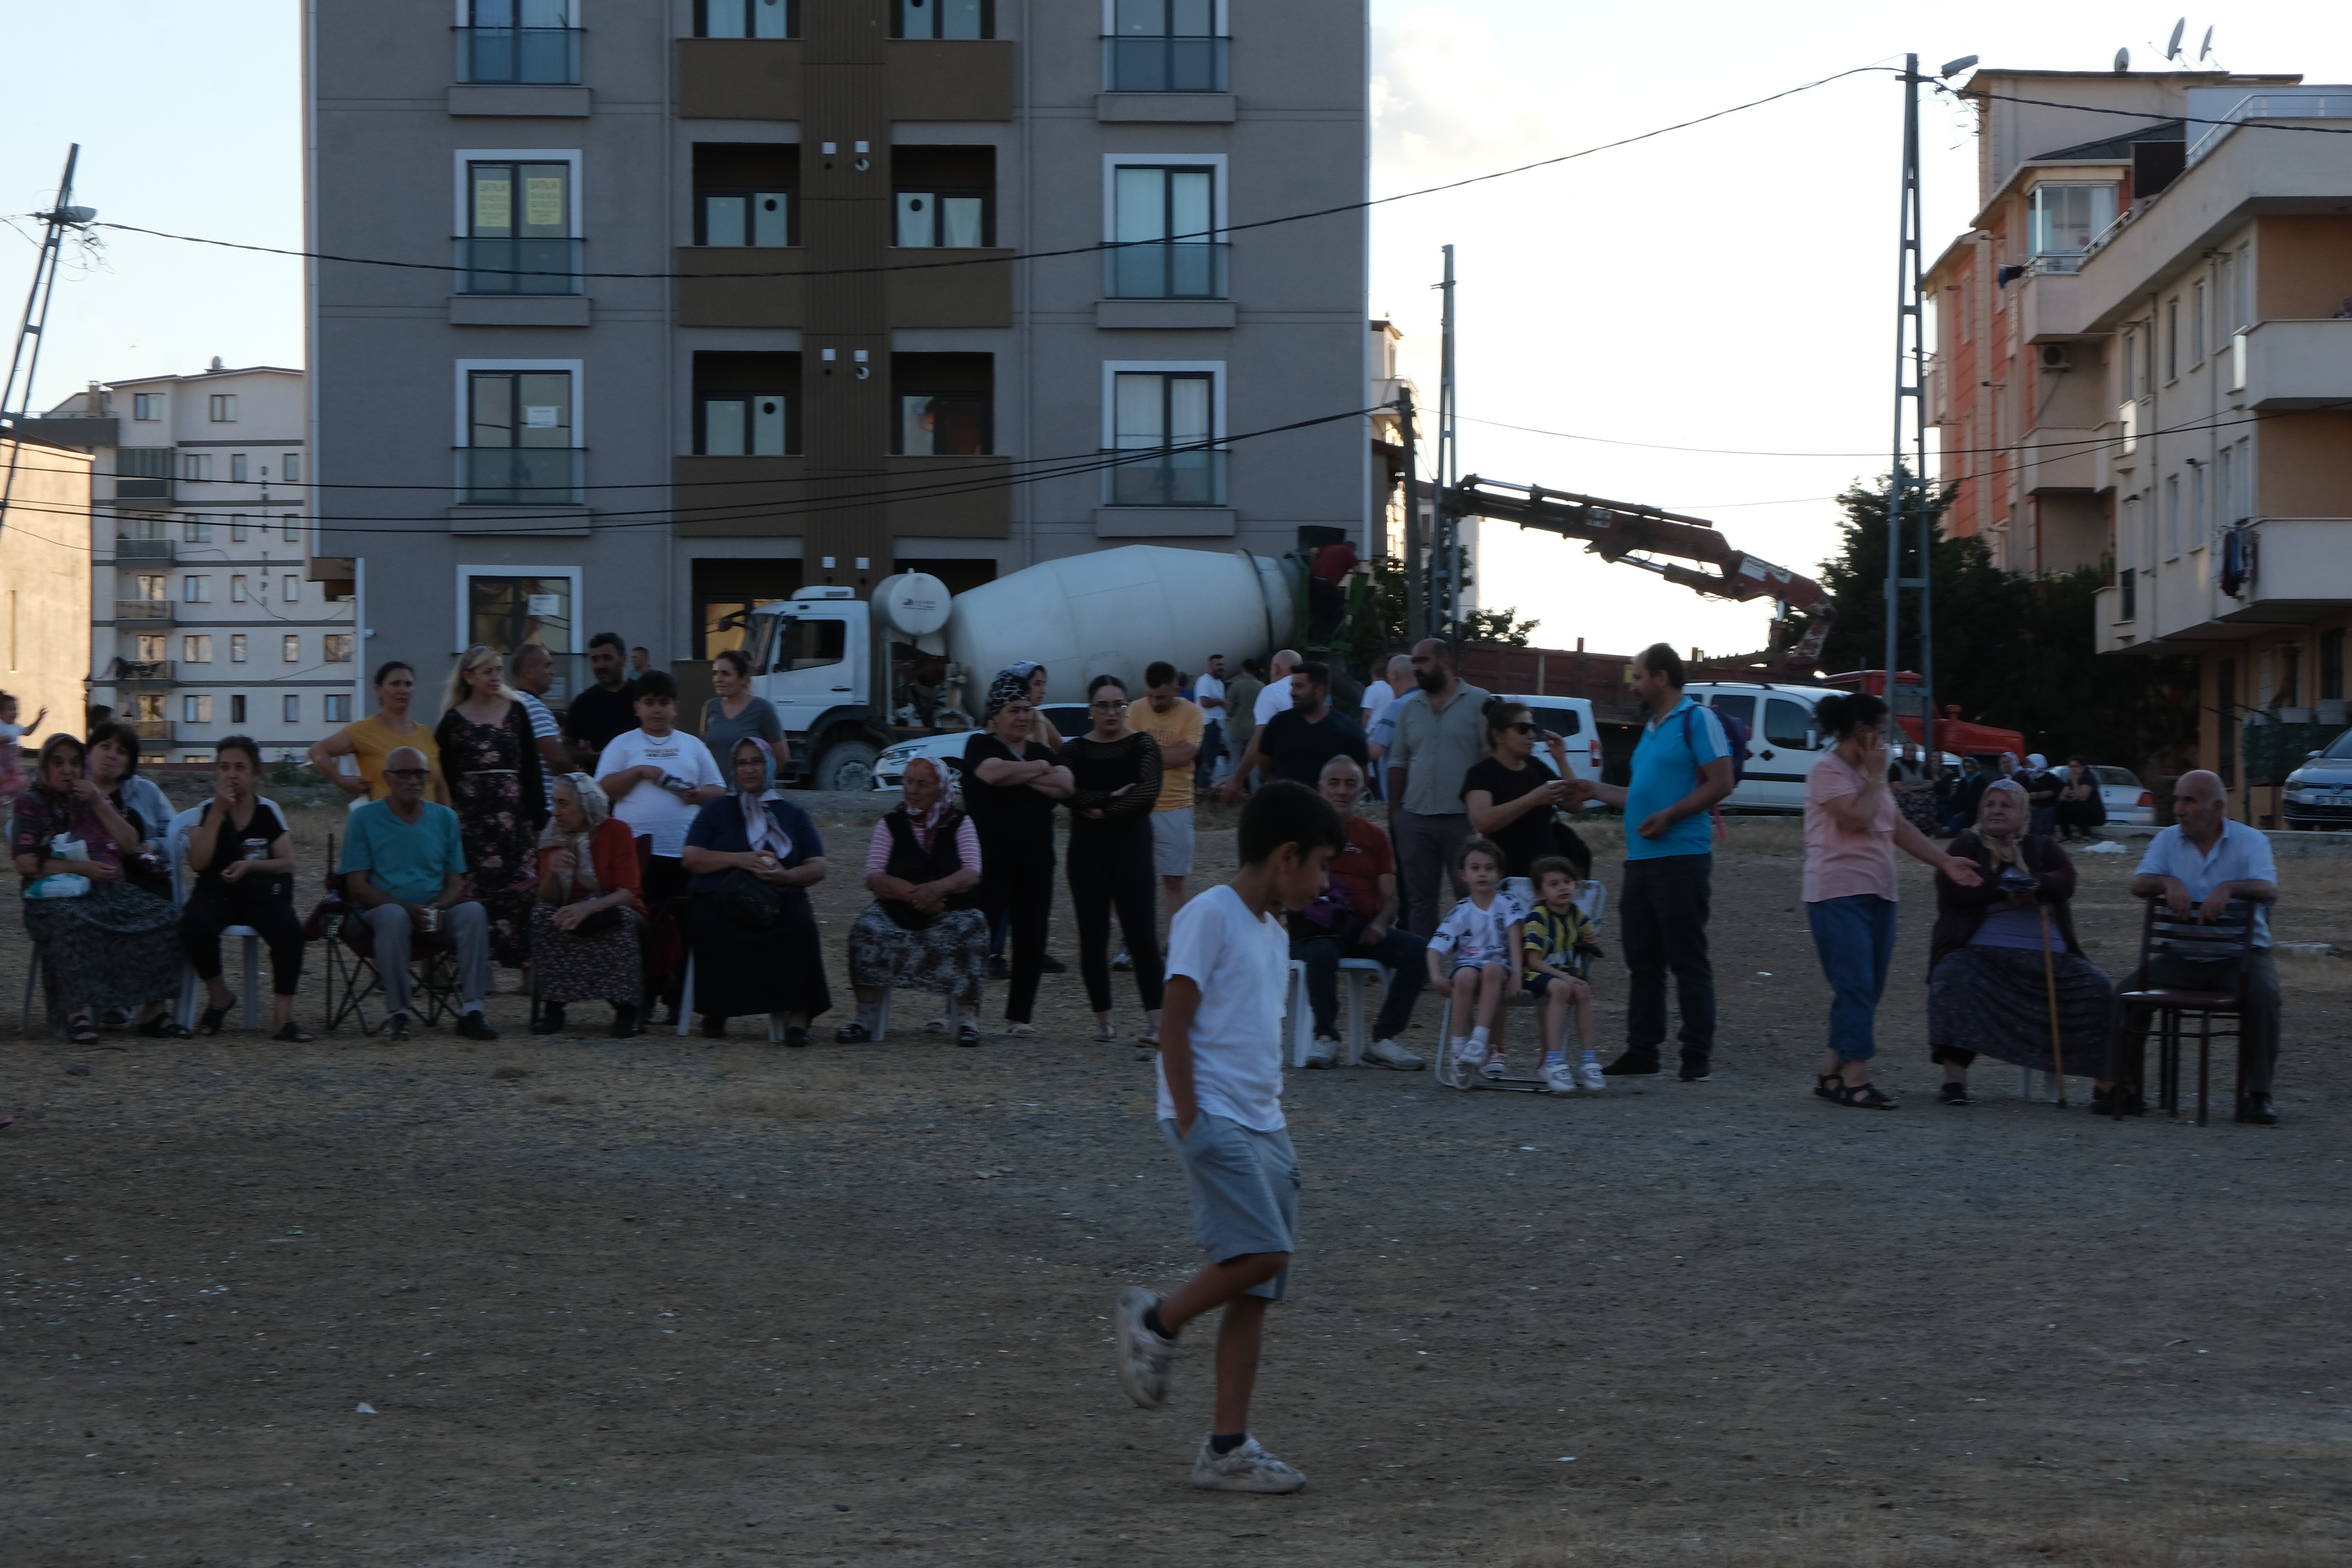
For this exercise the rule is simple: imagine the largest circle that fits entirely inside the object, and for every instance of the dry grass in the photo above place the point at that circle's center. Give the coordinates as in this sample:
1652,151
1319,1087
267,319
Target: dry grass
1880,1537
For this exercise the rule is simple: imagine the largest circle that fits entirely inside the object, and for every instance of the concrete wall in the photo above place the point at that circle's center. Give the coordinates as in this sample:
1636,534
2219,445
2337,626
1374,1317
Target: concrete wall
45,585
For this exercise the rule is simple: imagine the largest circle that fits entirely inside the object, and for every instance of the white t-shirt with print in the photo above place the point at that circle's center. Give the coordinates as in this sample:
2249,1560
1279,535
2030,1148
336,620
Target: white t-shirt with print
1241,961
1478,936
648,808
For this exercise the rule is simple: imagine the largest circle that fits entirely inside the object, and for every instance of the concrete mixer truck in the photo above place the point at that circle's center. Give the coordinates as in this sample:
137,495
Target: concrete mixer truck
851,677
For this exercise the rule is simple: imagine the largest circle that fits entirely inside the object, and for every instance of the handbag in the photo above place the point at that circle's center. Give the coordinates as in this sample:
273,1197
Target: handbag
597,923
745,901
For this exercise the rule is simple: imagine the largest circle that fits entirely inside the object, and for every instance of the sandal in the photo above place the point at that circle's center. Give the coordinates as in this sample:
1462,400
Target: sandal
163,1027
1105,1033
209,1021
1019,1032
81,1031
1865,1097
1826,1084
294,1034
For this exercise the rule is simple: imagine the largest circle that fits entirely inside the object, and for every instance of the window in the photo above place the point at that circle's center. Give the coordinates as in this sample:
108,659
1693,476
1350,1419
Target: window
293,527
808,645
237,710
152,646
508,612
518,41
745,192
289,468
745,405
196,709
236,469
154,587
942,195
2196,324
1164,46
237,648
2171,516
293,647
2331,666
2224,495
744,20
2064,219
1740,707
236,588
944,403
519,435
196,590
146,405
1164,219
2242,298
195,650
2127,550
236,530
746,217
196,466
519,237
2172,339
292,709
2131,367
2127,580
196,531
950,220
338,707
150,708
222,407
335,648
1155,410
1787,723
946,19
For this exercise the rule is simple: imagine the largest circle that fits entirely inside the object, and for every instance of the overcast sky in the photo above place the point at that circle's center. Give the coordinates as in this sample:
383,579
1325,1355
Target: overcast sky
1729,286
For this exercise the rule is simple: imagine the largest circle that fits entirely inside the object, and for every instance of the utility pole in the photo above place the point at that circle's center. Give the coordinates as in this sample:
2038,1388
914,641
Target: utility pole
1416,603
16,402
1446,568
1908,472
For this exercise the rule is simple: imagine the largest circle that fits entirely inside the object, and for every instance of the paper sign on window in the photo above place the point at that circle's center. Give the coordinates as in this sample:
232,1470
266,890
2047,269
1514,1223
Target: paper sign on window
542,202
493,204
539,417
543,604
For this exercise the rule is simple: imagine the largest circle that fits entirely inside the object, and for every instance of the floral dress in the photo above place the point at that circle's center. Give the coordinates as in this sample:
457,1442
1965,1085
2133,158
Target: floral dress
494,778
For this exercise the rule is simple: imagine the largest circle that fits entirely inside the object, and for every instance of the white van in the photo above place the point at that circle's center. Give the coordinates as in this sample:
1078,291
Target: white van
1569,718
1783,742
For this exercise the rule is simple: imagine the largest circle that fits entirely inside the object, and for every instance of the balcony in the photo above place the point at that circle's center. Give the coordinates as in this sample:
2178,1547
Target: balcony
2292,364
519,266
538,57
143,549
521,476
2301,568
152,728
1166,269
1165,64
941,287
1168,479
743,285
739,79
948,79
739,497
2057,458
143,610
130,675
2048,299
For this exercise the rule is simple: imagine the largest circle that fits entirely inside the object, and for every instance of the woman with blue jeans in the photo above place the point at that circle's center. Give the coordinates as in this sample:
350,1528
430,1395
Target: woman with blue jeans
1853,827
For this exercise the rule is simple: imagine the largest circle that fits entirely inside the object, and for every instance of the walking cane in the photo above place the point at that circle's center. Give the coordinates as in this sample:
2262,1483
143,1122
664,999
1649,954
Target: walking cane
2049,985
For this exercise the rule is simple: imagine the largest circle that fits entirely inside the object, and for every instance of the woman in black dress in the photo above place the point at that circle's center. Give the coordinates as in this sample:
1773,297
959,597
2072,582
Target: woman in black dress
1011,783
1512,800
1117,773
243,854
752,861
492,762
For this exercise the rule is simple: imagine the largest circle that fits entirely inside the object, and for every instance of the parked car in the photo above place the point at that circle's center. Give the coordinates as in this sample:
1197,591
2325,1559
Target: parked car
2127,799
1783,743
2318,794
1569,718
947,749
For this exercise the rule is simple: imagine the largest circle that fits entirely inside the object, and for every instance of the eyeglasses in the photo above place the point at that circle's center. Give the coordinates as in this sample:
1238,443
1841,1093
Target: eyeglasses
408,773
1521,728
1107,706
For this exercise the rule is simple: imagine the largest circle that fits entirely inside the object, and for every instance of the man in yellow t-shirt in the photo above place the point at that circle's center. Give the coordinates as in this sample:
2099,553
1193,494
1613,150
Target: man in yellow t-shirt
1176,724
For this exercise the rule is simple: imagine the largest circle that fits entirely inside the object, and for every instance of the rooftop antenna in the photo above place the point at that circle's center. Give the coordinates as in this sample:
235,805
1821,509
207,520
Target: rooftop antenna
2205,50
2123,61
2171,49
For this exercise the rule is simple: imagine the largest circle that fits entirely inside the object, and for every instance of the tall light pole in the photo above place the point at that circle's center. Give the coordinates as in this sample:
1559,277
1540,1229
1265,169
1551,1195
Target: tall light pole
15,396
1907,470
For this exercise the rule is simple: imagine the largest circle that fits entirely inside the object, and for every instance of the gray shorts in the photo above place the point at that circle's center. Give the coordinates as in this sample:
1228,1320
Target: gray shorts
1244,1189
1171,842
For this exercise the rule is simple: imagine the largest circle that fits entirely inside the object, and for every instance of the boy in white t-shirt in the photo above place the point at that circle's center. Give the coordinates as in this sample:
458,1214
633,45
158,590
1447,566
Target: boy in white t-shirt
1476,955
656,780
1221,1109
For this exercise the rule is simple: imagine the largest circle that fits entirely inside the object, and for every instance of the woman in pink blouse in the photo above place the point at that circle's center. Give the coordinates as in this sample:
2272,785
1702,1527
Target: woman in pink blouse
924,930
1853,828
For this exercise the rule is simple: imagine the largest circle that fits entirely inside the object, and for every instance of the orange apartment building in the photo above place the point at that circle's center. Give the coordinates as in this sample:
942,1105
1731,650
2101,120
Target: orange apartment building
2144,357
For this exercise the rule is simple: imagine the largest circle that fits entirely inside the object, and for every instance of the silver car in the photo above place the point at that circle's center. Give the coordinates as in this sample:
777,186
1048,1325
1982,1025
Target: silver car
2126,798
2318,794
946,747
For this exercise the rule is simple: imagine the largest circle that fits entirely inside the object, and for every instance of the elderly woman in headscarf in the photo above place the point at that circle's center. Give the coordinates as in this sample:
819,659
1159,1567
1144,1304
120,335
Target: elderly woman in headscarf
752,930
106,943
2001,947
1012,782
924,930
587,927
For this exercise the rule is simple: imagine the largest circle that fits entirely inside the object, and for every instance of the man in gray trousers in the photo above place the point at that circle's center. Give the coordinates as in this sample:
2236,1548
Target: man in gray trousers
405,866
1436,741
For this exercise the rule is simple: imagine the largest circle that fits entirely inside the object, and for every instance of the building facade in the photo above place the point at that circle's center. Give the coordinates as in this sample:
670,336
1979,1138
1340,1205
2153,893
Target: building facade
2145,357
45,578
203,620
749,295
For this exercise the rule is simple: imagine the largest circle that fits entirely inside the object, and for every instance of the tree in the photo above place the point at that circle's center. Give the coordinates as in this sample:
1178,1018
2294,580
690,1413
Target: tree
2013,651
1379,627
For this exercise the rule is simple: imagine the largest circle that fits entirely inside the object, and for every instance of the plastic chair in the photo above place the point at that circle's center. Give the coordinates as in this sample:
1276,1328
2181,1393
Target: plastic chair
175,850
2225,944
1592,899
1356,973
775,1020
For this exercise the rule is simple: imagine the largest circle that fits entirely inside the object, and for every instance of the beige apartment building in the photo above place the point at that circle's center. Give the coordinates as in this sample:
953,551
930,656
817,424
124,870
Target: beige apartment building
2145,358
44,581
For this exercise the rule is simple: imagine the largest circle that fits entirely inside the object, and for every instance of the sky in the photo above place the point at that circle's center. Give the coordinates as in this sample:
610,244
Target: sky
1727,286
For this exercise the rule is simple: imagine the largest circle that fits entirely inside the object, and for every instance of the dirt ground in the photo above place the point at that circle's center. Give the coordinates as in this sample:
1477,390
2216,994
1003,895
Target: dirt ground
669,1301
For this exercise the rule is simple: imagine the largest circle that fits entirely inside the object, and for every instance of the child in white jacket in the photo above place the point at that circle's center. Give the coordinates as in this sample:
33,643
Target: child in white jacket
1475,956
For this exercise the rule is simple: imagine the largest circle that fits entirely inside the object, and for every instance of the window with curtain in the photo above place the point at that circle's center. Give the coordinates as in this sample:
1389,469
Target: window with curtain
1164,220
2064,218
746,219
745,19
1157,409
1165,46
518,229
954,220
946,19
740,425
944,404
505,613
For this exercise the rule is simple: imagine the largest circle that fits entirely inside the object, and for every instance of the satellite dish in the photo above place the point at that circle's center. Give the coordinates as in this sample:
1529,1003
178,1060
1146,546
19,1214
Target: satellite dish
2123,61
2172,45
915,603
2205,50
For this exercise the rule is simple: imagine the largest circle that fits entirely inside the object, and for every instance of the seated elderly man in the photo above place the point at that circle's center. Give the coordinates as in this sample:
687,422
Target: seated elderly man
405,866
1356,917
2206,863
924,928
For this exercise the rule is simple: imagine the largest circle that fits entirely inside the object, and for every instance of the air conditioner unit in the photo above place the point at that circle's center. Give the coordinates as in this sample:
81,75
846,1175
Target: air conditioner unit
2057,356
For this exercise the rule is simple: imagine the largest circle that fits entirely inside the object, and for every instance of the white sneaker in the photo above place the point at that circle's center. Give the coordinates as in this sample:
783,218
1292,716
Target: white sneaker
1143,1356
1493,1067
1323,1052
1558,1078
1468,1052
1248,1468
1389,1053
1589,1070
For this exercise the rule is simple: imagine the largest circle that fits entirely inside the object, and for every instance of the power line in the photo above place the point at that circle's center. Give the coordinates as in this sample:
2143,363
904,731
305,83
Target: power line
1018,256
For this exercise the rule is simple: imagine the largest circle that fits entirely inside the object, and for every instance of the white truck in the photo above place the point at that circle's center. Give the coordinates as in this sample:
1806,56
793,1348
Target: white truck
851,678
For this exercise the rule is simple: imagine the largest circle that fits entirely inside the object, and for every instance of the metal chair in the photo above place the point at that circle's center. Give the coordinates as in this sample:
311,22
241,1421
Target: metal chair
2221,948
350,959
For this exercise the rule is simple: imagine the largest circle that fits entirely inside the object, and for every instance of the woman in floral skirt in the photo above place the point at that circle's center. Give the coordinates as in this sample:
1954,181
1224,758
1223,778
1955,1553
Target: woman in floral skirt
492,767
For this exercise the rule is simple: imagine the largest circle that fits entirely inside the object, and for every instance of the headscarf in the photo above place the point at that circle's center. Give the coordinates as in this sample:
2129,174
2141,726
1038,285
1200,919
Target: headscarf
2004,846
1010,685
596,808
930,820
761,831
2038,763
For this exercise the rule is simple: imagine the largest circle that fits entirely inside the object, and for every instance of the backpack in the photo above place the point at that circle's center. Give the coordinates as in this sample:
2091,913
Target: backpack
1735,734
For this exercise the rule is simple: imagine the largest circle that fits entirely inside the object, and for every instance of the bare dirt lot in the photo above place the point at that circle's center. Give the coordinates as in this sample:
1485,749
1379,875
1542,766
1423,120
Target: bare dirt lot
665,1301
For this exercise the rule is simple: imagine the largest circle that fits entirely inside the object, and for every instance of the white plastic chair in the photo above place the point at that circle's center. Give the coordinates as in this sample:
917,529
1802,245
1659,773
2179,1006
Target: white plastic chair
175,850
1592,899
1355,973
685,1007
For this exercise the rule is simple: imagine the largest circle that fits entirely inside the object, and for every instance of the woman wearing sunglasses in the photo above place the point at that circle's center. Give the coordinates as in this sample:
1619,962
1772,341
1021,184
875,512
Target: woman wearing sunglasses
1512,799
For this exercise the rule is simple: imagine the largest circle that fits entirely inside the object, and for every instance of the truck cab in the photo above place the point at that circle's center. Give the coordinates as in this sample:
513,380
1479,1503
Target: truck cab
812,657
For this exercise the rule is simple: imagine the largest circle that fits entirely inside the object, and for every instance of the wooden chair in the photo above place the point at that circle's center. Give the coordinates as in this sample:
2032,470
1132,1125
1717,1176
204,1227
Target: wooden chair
2224,948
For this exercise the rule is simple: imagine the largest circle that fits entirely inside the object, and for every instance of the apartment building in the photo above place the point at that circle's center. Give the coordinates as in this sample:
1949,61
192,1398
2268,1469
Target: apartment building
749,295
44,578
2145,357
203,621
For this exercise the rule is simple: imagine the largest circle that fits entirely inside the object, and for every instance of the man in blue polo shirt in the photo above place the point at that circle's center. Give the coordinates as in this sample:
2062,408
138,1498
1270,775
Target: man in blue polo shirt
1682,767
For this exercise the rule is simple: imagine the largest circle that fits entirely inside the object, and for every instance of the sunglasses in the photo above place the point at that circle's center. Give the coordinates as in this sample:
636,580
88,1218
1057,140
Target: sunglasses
1521,728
